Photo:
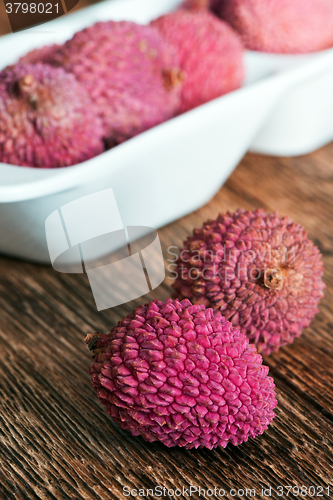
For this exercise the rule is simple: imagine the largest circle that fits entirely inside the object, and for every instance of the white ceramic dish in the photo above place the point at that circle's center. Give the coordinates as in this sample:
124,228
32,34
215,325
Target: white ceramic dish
284,108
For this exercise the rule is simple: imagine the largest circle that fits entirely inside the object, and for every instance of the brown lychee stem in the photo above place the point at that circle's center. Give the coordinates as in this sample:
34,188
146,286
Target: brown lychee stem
273,279
26,83
172,77
197,4
26,86
91,340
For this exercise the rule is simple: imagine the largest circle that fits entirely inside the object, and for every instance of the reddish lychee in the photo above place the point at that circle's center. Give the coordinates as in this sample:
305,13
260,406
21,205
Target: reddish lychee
129,71
46,120
261,271
43,55
177,373
210,53
281,25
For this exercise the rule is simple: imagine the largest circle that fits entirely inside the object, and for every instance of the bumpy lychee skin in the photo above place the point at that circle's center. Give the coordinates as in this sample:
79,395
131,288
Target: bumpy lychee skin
261,271
46,120
43,55
281,25
210,52
175,373
129,71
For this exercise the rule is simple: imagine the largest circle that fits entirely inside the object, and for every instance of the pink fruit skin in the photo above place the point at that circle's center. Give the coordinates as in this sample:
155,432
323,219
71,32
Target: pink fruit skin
222,265
130,73
210,53
46,120
173,372
43,55
283,26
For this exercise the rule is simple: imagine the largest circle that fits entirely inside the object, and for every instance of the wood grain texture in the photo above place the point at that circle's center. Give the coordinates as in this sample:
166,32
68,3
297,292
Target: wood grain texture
56,441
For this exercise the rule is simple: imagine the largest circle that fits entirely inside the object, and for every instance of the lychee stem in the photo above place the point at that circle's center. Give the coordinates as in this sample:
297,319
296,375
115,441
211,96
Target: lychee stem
273,279
26,87
25,84
197,4
91,340
173,77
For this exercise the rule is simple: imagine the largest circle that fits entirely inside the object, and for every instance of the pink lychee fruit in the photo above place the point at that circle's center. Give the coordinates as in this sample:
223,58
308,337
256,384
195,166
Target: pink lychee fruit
43,55
176,373
261,271
210,53
46,120
129,71
281,25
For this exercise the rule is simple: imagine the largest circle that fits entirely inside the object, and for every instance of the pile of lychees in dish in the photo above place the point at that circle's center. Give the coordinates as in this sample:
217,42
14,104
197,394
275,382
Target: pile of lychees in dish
188,371
63,104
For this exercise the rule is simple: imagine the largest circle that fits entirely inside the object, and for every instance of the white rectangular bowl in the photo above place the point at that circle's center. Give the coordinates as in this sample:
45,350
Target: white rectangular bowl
284,108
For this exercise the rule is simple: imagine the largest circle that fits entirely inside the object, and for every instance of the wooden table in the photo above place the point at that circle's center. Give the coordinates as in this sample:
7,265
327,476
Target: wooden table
56,441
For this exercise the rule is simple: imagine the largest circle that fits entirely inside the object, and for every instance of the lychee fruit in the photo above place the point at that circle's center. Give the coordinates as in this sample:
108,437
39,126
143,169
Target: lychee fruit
129,71
281,25
176,373
43,55
261,271
210,53
46,120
